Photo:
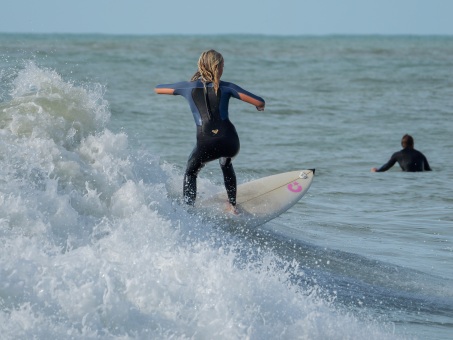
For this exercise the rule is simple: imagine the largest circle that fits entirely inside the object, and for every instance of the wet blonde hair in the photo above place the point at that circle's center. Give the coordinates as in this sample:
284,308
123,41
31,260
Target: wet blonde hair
208,68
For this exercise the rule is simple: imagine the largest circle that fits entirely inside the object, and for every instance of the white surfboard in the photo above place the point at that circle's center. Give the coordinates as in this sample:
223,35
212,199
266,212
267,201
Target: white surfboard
261,200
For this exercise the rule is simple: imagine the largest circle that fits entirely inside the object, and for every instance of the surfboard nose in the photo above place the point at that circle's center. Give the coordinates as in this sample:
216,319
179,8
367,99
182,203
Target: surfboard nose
312,170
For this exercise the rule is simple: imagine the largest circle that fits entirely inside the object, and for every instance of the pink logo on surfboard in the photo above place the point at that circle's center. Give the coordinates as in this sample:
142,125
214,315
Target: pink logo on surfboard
294,187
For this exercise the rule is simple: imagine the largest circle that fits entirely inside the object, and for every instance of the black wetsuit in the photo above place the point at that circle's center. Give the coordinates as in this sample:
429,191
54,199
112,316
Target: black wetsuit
216,135
216,139
409,159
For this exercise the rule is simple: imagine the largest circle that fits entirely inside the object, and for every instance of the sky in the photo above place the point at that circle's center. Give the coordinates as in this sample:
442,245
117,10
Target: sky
278,17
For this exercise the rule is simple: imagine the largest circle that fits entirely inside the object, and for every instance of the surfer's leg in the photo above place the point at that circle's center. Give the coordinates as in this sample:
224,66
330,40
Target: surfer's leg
194,165
229,177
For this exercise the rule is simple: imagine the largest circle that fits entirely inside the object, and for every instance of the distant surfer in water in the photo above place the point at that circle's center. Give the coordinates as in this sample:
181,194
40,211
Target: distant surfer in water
217,138
408,158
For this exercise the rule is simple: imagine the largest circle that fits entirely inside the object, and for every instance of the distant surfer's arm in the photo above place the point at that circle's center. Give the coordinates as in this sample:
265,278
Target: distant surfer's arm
387,165
426,165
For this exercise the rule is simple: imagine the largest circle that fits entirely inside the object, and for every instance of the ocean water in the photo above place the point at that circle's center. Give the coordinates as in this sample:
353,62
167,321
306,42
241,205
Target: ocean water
95,246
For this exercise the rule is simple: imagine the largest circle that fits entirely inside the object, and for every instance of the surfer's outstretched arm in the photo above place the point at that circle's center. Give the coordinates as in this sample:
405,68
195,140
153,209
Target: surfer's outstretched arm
258,103
251,98
159,90
246,96
174,88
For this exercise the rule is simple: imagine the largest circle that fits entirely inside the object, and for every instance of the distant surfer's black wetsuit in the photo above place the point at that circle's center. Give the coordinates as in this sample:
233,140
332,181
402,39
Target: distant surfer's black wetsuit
409,159
216,135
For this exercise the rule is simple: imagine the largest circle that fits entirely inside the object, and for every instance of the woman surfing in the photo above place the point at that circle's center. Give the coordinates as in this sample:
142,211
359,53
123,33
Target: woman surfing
217,138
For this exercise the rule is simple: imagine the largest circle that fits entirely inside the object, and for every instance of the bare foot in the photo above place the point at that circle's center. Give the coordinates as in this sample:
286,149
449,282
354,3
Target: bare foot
231,209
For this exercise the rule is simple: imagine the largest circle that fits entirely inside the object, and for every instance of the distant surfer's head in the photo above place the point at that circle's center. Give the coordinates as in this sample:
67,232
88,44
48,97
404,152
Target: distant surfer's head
210,68
407,141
